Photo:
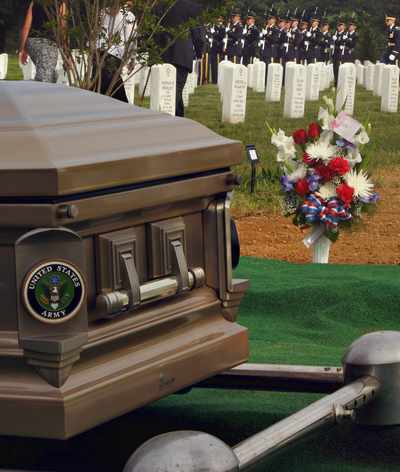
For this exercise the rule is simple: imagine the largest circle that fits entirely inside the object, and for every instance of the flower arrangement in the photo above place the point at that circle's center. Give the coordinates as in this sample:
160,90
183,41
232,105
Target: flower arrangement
323,181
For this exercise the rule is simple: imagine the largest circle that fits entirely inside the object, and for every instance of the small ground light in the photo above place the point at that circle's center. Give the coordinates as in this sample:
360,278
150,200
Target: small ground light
254,160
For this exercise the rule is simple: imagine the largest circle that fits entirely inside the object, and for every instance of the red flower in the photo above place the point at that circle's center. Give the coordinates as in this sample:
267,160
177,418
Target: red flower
314,131
308,160
339,165
324,172
345,193
302,187
300,136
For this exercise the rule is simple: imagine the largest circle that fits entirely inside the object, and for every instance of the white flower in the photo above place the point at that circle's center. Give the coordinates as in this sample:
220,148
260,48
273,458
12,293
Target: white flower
299,173
361,138
325,118
327,191
285,145
363,187
321,150
354,157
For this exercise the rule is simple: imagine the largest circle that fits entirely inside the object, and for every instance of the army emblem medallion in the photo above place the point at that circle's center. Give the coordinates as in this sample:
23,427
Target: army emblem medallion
54,291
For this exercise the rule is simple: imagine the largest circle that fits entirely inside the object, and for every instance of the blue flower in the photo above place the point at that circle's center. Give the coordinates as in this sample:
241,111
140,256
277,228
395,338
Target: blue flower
313,181
286,184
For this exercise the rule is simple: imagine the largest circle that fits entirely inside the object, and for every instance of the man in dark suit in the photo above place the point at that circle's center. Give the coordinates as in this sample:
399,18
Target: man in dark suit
181,52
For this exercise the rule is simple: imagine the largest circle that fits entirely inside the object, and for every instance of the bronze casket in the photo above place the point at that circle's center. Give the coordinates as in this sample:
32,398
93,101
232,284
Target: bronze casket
115,245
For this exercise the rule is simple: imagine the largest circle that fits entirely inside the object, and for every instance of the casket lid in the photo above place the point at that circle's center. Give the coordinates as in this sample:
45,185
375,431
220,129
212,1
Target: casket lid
57,141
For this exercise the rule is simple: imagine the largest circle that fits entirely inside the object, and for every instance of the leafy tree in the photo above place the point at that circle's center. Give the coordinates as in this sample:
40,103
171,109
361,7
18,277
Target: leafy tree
80,33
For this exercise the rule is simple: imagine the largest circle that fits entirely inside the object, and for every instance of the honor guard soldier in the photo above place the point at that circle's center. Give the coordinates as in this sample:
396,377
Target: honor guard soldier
339,44
326,41
350,42
391,55
314,38
284,29
304,43
295,39
234,32
217,35
250,39
270,39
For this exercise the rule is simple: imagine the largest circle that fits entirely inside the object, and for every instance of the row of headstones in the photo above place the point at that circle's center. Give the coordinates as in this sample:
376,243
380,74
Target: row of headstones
383,81
302,83
3,66
157,82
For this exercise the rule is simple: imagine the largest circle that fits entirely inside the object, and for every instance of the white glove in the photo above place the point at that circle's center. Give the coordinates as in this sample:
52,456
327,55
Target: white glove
334,37
308,34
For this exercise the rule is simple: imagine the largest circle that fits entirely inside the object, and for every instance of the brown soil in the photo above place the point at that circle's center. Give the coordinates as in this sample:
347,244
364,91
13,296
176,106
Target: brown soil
377,242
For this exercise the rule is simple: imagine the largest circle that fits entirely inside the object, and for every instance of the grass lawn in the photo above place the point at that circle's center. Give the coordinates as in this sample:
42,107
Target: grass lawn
298,314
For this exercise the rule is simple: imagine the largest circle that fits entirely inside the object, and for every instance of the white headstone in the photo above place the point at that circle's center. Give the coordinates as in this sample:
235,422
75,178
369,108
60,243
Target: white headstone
259,76
163,88
346,88
80,60
129,84
191,83
250,75
3,66
274,83
390,89
145,78
227,66
321,68
221,68
331,74
295,91
28,69
360,73
327,77
378,79
235,94
312,87
61,75
369,77
185,95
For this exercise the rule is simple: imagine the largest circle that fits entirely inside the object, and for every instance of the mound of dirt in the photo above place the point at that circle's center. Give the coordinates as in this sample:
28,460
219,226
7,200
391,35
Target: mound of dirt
377,242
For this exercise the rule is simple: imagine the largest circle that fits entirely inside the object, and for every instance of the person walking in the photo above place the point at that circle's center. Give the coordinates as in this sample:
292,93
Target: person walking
37,41
183,49
118,34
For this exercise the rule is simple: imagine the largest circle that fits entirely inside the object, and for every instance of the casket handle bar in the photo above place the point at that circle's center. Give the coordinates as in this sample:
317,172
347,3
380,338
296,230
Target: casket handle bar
133,294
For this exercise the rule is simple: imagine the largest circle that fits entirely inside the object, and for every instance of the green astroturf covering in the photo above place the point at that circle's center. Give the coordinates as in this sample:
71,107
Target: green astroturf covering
300,314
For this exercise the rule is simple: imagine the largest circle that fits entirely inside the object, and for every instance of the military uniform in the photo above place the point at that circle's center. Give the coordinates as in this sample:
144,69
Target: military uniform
303,45
250,44
234,34
392,53
350,44
216,39
314,40
326,40
270,44
339,44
